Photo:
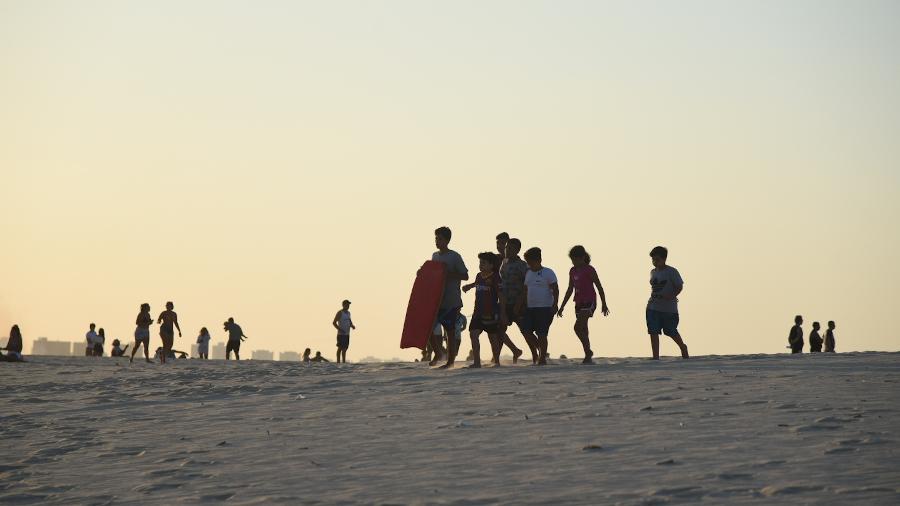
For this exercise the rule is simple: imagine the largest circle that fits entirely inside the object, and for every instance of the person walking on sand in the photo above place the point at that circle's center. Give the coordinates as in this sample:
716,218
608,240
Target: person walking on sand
512,288
343,323
451,302
795,336
542,299
829,338
203,344
142,332
99,341
662,308
89,338
13,346
235,337
582,279
168,318
815,340
486,316
502,241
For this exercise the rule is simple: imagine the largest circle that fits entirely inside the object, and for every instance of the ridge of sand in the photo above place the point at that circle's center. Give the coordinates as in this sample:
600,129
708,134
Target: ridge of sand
738,429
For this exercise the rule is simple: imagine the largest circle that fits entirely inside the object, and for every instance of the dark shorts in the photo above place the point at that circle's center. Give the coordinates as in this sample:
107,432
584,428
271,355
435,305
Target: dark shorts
343,341
234,346
513,317
659,322
447,318
98,350
538,320
142,335
490,325
585,309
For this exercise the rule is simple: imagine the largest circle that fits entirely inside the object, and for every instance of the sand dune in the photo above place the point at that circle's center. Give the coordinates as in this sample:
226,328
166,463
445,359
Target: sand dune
747,429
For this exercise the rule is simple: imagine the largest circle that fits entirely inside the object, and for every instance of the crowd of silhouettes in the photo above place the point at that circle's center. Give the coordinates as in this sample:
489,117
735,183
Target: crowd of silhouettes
816,341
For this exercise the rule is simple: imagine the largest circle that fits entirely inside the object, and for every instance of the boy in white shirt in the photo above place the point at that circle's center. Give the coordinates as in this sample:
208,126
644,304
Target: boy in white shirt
542,296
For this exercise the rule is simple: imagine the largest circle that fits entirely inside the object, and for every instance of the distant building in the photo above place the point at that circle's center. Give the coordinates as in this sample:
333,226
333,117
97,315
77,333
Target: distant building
289,356
218,352
369,360
43,346
262,355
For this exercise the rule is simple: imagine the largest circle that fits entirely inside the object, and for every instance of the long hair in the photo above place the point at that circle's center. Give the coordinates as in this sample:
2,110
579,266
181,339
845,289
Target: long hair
15,332
579,252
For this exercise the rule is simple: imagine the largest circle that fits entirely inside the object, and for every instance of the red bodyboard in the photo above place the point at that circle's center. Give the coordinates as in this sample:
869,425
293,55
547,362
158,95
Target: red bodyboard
424,302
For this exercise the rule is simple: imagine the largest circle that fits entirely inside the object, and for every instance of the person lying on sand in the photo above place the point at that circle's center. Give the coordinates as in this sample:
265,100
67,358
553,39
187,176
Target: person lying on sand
171,355
319,357
13,346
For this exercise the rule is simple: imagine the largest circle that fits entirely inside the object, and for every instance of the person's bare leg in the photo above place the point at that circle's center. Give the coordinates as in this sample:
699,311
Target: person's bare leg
344,355
654,345
436,347
338,359
581,330
542,345
237,356
475,335
516,351
451,348
683,347
496,348
134,350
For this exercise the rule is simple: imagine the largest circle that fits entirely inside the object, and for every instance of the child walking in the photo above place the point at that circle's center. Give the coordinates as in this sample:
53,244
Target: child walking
582,279
203,344
662,308
542,299
486,316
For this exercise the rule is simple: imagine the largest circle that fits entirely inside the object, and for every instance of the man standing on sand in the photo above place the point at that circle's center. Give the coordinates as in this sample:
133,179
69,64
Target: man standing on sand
662,308
343,323
168,318
90,337
451,303
235,336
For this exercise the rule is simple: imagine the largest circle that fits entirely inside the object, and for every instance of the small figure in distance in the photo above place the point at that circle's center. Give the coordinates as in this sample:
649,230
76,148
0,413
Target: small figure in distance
319,357
168,318
306,353
662,308
89,337
235,336
203,344
795,336
582,279
343,323
117,350
542,299
815,340
99,341
142,332
13,346
829,338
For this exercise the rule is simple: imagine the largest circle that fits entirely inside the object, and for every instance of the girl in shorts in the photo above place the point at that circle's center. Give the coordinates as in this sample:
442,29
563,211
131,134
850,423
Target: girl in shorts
582,279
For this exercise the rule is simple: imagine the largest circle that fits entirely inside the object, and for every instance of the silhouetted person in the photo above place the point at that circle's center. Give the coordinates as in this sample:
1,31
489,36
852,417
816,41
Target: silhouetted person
235,337
486,315
13,346
203,344
319,357
343,323
582,279
142,332
662,308
99,341
502,241
306,353
815,340
117,350
795,336
542,300
168,318
89,338
829,337
512,290
451,302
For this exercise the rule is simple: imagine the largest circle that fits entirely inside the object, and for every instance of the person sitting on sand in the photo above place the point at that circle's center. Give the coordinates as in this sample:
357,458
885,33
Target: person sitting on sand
117,350
829,338
99,341
795,336
203,344
582,279
815,340
306,353
168,318
89,341
319,357
13,346
486,315
235,336
142,332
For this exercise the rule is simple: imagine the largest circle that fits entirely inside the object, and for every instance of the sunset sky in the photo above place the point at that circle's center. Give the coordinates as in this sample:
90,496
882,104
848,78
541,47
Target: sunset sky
265,160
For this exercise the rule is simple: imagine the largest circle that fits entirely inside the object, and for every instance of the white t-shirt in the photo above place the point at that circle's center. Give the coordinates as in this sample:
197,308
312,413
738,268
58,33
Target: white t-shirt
344,323
538,283
91,338
203,342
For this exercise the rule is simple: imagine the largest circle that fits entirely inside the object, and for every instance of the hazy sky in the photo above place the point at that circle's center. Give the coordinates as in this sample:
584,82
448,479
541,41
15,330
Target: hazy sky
265,160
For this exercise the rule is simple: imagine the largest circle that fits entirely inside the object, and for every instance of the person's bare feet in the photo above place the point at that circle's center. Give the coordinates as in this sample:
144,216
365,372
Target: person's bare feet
588,358
684,352
476,365
448,365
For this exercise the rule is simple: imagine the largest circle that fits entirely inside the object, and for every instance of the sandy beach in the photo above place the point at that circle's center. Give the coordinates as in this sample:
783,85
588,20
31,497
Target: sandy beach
756,429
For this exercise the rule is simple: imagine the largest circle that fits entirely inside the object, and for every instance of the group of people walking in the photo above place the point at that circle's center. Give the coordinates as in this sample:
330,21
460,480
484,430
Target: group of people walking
816,341
522,291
